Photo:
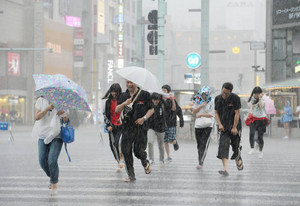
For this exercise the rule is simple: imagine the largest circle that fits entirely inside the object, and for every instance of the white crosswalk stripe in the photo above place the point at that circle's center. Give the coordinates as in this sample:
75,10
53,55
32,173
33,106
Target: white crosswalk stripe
91,179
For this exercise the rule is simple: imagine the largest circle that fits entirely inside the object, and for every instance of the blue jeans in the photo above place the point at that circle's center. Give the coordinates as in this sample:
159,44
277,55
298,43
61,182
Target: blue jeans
48,156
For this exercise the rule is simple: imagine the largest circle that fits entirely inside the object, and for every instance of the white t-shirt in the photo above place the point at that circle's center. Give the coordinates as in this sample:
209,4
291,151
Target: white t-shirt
43,128
208,109
257,111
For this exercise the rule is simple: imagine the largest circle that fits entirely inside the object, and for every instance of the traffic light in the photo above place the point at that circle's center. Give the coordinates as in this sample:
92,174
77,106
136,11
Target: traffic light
152,35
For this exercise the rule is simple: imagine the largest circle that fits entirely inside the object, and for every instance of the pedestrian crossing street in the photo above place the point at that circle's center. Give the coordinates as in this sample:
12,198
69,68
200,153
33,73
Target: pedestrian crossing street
273,180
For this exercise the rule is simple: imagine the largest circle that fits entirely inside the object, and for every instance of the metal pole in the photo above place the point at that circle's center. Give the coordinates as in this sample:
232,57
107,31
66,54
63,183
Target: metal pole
204,42
161,34
139,39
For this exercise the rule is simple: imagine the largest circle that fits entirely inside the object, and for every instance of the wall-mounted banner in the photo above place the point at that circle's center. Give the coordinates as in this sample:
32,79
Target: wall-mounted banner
13,64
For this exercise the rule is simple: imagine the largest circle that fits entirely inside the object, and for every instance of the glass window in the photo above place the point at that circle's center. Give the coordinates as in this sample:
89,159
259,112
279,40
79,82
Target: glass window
296,41
279,49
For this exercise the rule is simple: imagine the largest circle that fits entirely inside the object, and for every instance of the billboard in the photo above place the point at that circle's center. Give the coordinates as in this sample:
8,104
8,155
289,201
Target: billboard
285,12
13,64
73,21
59,37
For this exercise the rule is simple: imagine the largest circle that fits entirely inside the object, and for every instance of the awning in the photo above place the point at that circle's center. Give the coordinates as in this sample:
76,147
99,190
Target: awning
287,84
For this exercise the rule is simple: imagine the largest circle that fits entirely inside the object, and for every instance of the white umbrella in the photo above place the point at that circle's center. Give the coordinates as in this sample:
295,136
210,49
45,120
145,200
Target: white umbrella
142,77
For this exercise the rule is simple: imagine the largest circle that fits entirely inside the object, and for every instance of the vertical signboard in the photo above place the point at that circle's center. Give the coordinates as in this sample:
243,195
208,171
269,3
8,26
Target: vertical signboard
121,35
78,41
13,64
100,17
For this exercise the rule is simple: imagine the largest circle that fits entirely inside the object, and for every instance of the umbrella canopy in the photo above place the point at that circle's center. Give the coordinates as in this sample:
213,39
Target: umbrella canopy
269,105
62,92
142,77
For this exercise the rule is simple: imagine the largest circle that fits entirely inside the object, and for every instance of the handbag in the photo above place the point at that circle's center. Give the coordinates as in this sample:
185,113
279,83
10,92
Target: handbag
67,134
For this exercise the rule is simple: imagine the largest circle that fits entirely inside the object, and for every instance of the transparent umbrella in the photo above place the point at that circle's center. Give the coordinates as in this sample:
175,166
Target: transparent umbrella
142,77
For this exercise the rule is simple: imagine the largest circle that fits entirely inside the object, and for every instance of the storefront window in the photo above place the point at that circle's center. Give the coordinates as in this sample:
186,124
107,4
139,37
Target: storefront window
12,109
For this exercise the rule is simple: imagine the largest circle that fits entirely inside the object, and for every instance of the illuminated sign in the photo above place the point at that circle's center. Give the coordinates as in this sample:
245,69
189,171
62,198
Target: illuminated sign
235,50
100,17
110,71
13,63
297,67
73,21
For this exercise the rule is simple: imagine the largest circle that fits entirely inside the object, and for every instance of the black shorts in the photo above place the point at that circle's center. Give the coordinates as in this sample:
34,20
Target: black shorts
227,139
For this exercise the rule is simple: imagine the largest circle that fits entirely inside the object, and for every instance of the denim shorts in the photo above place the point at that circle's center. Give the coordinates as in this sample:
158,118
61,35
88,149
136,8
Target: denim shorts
170,134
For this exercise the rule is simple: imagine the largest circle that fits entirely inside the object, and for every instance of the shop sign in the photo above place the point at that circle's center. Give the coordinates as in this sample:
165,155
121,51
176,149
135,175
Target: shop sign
73,21
110,71
285,12
13,64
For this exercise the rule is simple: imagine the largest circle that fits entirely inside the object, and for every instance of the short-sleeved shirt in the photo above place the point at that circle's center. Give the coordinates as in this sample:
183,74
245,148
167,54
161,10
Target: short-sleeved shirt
140,107
226,110
42,128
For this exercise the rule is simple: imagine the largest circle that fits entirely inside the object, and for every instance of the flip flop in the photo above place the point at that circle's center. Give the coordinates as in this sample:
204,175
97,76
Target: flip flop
239,163
147,169
224,173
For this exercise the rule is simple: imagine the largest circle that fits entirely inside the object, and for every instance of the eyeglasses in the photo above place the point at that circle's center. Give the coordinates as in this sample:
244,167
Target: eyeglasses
226,94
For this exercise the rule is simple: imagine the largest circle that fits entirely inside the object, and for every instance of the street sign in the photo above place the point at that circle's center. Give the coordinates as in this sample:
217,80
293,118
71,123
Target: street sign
193,60
257,45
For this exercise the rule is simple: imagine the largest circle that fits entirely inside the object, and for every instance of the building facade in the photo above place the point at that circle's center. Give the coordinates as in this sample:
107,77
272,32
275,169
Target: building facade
283,51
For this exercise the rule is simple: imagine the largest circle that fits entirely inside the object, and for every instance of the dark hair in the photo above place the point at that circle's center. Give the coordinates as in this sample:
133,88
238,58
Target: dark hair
113,88
256,90
167,87
156,96
228,85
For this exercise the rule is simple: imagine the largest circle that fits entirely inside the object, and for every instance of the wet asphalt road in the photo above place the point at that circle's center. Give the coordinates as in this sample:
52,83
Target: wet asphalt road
91,177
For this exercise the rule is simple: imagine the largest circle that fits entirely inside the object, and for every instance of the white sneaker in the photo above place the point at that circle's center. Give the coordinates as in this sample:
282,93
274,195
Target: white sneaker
251,152
261,155
285,137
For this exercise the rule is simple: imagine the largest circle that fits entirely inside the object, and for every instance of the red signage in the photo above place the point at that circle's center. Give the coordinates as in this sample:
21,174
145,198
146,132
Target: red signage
13,64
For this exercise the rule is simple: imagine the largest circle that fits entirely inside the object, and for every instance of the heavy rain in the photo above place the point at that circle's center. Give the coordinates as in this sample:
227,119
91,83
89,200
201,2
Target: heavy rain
149,102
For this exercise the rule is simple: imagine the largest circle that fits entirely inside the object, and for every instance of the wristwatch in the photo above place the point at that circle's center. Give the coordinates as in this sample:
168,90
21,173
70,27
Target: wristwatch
145,118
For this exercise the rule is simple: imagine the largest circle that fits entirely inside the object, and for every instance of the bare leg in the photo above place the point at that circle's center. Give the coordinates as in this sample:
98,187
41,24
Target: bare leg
167,149
225,164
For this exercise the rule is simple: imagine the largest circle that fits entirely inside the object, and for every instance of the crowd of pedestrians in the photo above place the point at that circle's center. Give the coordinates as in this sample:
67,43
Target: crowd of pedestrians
135,118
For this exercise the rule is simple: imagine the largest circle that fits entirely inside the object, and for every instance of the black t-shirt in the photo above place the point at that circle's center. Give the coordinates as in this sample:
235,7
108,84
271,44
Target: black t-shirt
157,121
140,107
226,108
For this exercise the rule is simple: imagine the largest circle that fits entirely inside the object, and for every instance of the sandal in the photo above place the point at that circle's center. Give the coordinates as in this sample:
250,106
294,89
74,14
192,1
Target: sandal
147,169
224,173
129,179
239,163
